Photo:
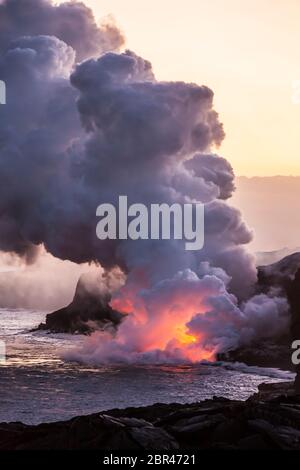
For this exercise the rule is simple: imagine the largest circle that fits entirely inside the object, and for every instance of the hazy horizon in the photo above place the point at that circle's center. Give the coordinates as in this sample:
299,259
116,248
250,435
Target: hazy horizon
269,205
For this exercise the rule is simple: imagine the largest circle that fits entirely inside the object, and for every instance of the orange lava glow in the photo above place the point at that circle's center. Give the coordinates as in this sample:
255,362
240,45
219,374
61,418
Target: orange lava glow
159,323
185,338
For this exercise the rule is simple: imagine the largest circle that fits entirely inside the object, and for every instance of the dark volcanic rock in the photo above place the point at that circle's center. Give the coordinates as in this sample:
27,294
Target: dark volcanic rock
87,432
89,311
269,419
263,354
282,278
278,275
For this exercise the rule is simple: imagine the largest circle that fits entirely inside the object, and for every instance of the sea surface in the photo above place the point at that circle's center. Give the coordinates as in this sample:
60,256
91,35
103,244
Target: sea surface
37,385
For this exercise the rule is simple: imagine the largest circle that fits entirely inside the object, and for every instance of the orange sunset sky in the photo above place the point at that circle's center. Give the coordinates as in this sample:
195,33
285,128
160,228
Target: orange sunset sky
247,51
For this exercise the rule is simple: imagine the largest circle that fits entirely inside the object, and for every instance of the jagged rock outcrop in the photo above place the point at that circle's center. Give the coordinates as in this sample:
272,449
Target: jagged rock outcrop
89,311
278,275
269,419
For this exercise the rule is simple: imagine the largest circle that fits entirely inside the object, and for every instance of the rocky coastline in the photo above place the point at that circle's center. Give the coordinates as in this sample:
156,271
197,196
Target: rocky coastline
270,420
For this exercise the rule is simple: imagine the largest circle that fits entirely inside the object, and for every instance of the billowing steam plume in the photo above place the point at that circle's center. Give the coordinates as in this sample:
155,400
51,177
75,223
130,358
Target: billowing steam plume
85,124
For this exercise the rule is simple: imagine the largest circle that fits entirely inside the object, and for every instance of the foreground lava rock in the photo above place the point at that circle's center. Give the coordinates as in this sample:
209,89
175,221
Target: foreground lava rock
89,311
267,420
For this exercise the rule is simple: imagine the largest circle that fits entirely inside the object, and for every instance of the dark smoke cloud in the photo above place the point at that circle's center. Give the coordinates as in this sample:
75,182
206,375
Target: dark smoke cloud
37,127
75,136
135,137
72,22
216,172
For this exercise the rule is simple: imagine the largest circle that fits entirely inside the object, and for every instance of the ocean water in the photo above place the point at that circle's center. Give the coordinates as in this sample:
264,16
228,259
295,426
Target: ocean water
37,385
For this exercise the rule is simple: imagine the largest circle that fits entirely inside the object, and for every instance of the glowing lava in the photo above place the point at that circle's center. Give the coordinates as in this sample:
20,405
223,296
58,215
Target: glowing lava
184,337
157,319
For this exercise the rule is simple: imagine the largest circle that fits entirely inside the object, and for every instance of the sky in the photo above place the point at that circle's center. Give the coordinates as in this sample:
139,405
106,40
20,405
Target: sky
246,51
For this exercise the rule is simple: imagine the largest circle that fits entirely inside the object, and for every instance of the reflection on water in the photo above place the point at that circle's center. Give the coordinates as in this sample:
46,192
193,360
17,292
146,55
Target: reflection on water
37,385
